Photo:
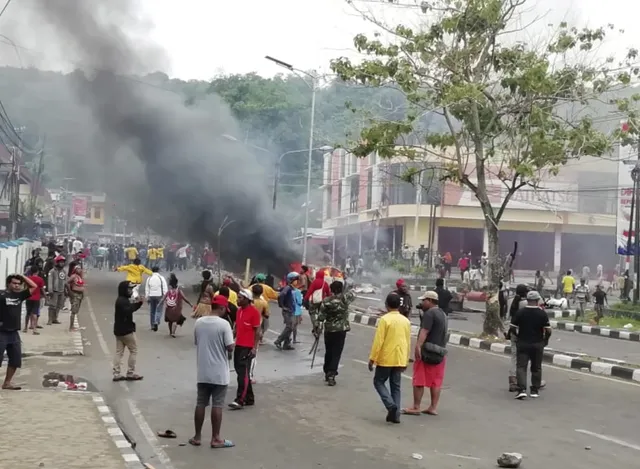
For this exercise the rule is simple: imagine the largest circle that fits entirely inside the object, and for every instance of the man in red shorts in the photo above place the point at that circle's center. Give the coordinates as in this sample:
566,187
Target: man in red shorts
430,355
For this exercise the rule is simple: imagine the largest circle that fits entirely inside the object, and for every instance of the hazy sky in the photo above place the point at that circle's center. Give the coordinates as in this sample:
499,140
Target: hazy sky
205,38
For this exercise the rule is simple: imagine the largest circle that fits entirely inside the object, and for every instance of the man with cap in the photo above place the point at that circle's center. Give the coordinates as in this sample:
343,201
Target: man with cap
429,355
406,303
56,289
530,325
248,321
214,343
287,301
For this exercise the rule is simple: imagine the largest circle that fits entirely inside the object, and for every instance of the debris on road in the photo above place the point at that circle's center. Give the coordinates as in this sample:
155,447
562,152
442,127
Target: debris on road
510,460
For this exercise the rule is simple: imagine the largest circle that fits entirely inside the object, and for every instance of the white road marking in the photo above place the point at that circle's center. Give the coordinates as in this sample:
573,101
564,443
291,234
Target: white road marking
96,326
368,298
610,439
462,456
546,365
366,363
133,408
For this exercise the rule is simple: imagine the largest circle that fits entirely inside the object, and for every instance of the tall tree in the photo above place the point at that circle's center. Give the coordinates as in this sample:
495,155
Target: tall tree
514,113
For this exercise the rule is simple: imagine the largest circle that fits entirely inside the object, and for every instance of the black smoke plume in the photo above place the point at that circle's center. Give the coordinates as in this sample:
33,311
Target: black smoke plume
172,165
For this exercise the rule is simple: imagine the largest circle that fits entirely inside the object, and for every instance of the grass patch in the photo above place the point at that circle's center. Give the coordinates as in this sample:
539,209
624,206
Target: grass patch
607,321
626,306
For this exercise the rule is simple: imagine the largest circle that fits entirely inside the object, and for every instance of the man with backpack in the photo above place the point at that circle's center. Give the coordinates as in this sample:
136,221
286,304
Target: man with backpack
287,301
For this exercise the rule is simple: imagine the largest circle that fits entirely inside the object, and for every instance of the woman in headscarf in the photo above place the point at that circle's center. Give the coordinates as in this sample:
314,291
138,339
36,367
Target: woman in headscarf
173,300
203,305
76,286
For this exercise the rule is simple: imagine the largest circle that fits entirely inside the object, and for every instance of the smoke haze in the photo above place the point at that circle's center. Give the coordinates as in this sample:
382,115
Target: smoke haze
169,162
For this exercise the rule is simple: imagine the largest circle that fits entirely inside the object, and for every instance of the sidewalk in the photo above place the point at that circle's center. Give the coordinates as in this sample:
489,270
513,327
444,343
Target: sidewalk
53,340
53,429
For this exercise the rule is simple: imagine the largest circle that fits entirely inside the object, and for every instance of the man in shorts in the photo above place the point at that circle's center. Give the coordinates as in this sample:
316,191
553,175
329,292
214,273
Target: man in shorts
214,344
433,331
10,318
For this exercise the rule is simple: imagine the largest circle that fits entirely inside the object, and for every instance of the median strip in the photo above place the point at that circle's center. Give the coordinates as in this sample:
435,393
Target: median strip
622,371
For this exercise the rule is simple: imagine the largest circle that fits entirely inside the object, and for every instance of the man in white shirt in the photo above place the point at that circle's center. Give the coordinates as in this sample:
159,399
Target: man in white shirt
182,257
76,246
214,344
155,288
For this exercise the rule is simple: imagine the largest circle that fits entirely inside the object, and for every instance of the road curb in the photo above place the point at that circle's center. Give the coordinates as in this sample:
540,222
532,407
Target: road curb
596,330
557,359
77,350
129,455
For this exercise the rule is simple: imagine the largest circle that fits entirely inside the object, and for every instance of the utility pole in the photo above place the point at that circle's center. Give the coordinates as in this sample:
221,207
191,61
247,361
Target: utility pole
14,192
635,173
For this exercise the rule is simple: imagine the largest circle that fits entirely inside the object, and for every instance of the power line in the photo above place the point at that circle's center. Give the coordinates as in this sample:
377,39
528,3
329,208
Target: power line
5,7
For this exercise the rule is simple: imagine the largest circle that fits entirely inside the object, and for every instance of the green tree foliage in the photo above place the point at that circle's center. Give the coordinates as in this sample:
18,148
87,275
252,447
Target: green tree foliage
513,112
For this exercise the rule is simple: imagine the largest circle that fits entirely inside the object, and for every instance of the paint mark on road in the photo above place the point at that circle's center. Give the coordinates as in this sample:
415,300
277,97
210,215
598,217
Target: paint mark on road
368,298
96,326
610,439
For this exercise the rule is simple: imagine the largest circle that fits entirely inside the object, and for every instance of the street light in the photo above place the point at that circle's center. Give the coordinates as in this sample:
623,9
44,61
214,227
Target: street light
276,177
314,87
225,223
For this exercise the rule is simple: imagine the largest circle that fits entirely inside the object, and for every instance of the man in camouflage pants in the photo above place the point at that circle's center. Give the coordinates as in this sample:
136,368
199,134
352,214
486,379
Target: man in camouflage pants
334,313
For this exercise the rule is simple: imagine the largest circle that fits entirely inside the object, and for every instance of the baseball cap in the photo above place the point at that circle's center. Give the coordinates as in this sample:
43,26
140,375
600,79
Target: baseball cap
292,276
429,295
400,282
220,301
261,277
247,294
59,259
533,296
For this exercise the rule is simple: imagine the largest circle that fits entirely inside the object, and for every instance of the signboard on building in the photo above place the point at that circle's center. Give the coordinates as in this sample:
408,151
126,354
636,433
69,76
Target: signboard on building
79,208
557,196
627,158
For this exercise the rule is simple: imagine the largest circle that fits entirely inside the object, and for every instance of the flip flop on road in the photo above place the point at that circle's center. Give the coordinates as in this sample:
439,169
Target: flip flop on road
410,412
167,434
429,412
224,444
11,387
194,442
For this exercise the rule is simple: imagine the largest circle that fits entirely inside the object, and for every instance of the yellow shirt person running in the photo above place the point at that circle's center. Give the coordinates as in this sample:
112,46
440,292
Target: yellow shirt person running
152,253
135,271
131,252
568,283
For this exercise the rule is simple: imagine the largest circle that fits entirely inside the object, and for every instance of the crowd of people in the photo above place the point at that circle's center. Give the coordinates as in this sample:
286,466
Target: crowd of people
231,320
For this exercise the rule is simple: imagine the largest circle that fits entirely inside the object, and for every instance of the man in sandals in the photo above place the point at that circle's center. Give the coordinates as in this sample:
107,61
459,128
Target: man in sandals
10,317
214,342
125,331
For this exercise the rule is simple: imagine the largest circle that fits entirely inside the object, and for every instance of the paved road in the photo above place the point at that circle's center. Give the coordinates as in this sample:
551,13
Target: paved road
593,346
299,422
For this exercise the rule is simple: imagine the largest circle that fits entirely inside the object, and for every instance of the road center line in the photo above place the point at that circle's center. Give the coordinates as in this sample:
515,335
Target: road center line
611,439
368,298
96,326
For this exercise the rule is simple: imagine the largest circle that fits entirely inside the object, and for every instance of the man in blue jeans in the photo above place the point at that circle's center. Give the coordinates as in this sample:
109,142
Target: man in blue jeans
390,355
155,289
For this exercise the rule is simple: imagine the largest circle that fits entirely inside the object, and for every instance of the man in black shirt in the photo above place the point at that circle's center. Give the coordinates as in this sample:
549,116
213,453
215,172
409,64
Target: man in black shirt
444,296
406,304
600,299
125,331
530,325
10,318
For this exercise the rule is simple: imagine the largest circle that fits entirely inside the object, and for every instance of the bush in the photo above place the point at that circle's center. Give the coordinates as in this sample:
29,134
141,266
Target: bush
626,306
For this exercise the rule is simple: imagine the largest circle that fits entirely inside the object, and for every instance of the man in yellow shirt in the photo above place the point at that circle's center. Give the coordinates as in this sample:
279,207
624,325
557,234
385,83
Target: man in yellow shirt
268,293
152,253
390,355
135,271
132,254
568,285
233,296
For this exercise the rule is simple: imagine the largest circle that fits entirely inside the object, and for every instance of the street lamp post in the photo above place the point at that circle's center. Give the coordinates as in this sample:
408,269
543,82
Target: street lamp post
225,223
314,87
276,177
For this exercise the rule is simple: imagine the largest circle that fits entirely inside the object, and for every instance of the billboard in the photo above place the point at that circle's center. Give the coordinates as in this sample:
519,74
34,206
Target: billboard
627,159
79,207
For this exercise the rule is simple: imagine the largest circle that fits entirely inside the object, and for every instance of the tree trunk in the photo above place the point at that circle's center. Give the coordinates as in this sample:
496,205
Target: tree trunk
492,322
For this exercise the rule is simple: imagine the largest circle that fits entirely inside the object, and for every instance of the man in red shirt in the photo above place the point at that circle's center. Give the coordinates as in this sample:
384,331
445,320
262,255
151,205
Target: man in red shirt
32,305
248,321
